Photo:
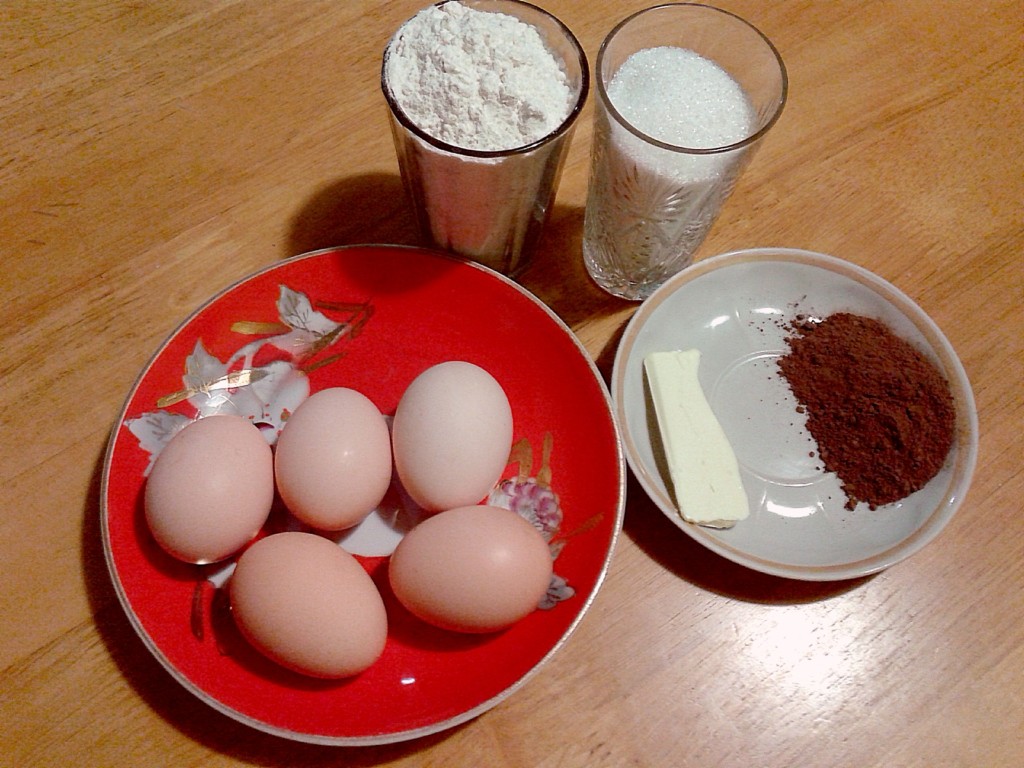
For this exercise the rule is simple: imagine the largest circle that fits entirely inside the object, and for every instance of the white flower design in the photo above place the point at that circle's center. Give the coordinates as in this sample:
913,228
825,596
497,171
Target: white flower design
265,394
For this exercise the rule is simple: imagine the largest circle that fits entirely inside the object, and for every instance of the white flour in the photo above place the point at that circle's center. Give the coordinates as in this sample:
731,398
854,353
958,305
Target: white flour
481,81
475,79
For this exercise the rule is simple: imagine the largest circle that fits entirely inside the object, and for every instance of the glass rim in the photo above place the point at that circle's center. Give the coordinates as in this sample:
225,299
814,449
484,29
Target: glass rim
679,148
562,128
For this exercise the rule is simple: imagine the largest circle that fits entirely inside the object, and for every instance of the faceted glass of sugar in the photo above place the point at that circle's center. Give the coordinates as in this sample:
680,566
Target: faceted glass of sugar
685,94
479,187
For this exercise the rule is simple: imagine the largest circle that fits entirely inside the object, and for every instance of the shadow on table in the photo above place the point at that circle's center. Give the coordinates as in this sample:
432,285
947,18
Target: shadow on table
176,705
373,209
671,548
365,209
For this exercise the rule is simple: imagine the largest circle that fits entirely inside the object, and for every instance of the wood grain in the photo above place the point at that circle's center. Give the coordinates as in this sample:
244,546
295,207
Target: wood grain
153,153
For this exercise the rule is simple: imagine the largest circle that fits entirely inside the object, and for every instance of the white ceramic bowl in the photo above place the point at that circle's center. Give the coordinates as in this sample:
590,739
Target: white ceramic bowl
733,307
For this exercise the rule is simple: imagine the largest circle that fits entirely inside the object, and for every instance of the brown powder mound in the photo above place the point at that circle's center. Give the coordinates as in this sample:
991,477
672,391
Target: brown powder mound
880,411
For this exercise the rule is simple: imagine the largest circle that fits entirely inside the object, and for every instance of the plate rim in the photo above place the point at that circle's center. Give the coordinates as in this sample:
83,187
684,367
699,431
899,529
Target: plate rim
399,736
966,446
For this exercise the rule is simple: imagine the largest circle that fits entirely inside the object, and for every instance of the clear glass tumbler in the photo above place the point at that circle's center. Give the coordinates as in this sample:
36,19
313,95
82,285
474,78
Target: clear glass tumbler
651,203
490,206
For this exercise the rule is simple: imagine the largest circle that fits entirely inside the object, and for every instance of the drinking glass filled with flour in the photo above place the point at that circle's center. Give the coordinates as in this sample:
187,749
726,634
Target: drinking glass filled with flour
685,92
483,97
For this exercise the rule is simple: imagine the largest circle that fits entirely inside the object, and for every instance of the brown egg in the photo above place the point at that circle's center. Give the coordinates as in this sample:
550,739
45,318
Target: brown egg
309,605
471,569
210,489
333,459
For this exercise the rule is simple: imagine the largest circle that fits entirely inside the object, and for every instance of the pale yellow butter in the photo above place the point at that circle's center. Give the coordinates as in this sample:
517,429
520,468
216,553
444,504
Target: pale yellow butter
703,468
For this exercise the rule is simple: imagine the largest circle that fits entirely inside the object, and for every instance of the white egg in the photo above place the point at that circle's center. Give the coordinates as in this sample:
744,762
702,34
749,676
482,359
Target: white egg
451,436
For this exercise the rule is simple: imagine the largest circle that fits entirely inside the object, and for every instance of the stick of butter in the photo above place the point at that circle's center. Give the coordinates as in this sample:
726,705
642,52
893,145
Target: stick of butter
704,471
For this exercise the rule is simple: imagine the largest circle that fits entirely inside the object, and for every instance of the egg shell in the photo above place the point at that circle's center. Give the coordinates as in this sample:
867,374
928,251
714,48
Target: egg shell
452,435
471,569
333,459
210,489
309,605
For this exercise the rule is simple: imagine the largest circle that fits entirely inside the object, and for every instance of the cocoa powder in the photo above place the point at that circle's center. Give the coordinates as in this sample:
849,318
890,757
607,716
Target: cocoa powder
880,411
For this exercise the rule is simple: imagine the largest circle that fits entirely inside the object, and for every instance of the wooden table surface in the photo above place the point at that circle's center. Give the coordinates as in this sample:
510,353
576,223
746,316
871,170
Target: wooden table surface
153,153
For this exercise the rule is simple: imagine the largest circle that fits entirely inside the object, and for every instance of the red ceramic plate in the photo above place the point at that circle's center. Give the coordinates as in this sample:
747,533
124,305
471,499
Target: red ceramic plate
370,318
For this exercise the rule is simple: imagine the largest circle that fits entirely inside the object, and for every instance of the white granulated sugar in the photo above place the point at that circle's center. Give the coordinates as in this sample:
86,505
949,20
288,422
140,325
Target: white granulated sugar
679,97
476,79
